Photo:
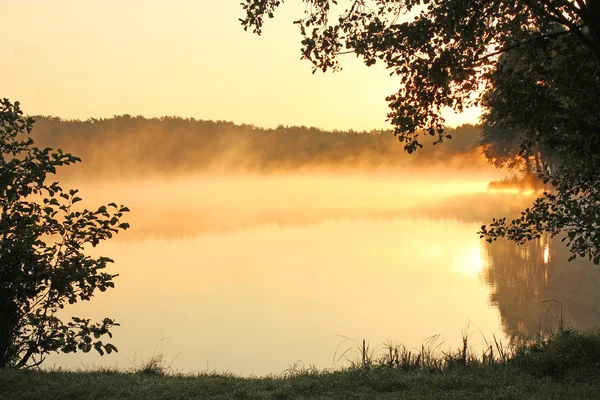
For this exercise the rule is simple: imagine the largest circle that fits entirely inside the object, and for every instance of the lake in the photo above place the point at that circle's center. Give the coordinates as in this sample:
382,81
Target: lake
253,274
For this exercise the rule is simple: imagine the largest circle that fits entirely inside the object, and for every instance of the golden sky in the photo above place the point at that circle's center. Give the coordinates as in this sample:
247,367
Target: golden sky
190,58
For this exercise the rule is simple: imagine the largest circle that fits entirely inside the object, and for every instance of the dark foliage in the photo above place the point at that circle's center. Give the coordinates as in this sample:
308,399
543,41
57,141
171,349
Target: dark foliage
43,266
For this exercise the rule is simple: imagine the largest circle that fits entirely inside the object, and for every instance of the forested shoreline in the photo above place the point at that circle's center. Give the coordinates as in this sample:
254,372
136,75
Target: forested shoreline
140,146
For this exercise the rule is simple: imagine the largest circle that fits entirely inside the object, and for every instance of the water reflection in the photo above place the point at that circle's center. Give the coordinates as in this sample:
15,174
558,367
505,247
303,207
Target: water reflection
470,263
530,282
204,205
255,300
249,275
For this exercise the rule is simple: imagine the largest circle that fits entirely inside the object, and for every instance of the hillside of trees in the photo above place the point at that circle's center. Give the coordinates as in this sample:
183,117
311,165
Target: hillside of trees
138,146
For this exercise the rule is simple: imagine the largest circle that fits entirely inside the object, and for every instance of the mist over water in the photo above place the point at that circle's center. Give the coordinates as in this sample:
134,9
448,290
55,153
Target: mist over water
207,203
253,249
252,273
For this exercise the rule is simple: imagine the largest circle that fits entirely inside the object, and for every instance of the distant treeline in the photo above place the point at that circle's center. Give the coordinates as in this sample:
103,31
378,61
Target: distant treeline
168,145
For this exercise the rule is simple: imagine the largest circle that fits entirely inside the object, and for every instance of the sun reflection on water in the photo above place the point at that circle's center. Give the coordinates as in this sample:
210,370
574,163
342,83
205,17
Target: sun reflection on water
470,263
546,254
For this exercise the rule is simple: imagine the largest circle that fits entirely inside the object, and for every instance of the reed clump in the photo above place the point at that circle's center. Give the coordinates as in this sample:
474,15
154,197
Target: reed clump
562,354
560,364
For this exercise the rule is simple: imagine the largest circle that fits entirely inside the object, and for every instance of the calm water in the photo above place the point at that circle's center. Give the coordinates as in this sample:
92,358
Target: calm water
253,274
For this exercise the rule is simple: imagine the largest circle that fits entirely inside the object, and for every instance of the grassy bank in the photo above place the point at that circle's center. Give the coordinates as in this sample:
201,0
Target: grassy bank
566,365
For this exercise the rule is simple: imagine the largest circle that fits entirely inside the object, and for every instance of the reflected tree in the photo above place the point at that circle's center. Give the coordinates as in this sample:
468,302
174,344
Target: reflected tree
530,282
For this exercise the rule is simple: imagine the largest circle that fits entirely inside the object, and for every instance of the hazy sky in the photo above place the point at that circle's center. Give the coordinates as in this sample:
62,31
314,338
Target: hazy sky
191,58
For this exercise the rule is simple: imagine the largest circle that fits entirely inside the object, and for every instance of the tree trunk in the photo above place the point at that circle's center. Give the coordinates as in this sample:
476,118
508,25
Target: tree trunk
7,327
527,165
536,156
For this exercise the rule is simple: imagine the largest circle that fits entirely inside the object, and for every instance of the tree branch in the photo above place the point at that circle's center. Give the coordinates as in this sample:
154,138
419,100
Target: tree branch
514,46
558,17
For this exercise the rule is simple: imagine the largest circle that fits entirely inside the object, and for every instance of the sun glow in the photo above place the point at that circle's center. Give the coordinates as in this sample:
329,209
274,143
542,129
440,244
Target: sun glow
546,254
470,262
515,191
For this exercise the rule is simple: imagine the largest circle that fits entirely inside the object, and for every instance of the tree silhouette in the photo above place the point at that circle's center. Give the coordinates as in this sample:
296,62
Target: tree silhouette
43,265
